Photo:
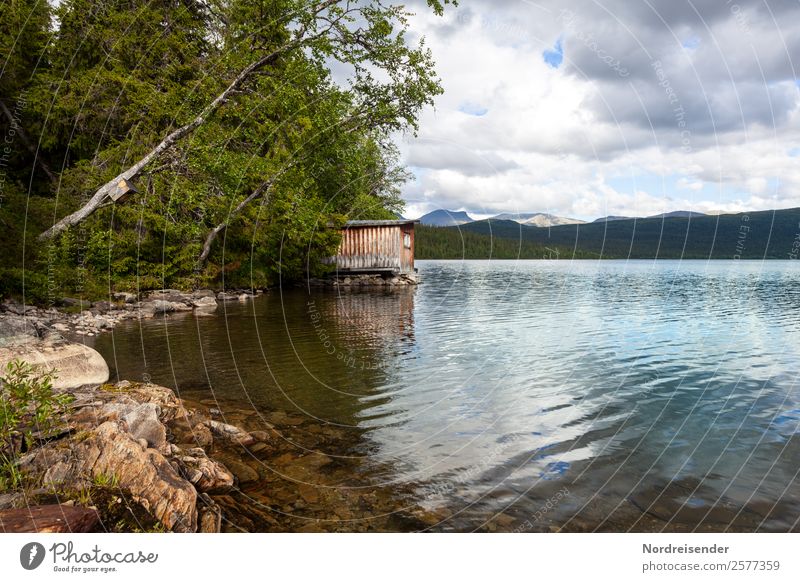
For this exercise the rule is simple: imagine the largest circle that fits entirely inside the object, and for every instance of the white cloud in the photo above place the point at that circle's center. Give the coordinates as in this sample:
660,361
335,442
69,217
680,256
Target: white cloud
511,133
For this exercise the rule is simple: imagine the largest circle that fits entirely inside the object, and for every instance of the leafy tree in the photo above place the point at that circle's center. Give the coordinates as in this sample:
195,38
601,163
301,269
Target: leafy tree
361,35
224,115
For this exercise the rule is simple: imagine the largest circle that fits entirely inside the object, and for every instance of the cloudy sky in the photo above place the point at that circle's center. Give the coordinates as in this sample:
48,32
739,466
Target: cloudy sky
623,107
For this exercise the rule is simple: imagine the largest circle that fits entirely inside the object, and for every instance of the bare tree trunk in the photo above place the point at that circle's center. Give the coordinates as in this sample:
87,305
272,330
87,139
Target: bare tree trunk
28,144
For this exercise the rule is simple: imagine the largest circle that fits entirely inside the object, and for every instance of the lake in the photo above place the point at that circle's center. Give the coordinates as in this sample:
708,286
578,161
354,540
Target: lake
515,395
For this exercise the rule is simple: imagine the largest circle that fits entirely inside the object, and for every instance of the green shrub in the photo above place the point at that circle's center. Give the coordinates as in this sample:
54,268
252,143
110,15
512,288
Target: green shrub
29,411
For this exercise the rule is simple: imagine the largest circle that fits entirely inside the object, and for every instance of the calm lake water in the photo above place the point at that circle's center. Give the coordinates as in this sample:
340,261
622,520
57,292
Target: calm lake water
525,395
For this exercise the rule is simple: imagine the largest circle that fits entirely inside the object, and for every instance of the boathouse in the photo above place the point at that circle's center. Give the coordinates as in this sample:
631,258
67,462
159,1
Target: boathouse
377,247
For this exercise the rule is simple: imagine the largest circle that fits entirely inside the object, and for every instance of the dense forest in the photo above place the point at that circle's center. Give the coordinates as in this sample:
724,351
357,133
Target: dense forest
772,234
185,143
436,242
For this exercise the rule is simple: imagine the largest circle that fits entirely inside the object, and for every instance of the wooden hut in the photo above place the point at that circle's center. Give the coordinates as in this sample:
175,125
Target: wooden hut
377,247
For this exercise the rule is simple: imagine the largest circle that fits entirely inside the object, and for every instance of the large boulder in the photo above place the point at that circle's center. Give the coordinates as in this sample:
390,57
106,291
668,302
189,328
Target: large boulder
75,364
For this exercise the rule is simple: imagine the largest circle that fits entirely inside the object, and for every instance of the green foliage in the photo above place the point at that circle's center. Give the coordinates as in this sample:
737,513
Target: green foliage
114,77
24,34
104,480
29,409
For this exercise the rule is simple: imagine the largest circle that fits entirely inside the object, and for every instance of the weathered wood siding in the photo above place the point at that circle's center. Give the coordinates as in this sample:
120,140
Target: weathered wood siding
371,247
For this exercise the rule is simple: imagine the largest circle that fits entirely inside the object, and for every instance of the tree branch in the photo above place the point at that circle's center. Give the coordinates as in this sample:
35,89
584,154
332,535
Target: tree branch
263,189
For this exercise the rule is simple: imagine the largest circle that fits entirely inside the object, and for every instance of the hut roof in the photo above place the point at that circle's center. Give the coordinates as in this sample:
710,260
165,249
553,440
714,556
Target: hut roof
350,223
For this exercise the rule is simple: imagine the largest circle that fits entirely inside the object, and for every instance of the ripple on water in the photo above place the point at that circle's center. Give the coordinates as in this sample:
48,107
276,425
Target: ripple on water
660,394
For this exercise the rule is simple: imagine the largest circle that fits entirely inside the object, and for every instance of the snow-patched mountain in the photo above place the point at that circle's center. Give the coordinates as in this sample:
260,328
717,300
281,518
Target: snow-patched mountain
445,218
537,219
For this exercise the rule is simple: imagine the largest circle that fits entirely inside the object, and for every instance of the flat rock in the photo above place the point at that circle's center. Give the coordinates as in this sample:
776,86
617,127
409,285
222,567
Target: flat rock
169,406
205,302
230,433
204,305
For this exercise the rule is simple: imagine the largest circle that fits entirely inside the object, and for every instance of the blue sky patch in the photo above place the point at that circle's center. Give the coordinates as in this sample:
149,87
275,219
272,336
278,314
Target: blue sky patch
554,56
691,43
471,108
554,470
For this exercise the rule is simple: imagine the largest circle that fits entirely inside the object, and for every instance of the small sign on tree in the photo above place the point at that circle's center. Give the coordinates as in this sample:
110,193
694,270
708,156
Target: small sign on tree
122,191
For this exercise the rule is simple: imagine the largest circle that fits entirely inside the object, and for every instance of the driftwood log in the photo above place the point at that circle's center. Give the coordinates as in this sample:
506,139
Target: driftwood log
49,519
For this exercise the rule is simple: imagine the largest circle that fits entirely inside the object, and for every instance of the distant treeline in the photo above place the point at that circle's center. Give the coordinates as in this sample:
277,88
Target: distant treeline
755,235
436,242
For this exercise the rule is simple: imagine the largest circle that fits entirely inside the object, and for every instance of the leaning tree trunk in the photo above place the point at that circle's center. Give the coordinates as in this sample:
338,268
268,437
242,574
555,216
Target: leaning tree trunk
100,195
264,189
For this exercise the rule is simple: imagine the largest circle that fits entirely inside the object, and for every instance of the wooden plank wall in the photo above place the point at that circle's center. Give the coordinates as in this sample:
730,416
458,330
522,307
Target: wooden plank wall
371,247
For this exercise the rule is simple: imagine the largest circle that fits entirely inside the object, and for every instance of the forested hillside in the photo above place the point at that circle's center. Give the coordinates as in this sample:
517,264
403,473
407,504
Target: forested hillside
434,242
184,143
755,235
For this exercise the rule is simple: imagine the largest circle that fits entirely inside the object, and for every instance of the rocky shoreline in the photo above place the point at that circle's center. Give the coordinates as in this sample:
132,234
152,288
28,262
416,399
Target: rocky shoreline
369,280
140,446
136,457
88,318
136,447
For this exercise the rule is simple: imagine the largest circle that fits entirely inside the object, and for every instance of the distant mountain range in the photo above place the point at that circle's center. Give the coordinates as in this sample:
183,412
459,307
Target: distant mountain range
769,234
540,219
458,217
679,214
537,219
674,214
